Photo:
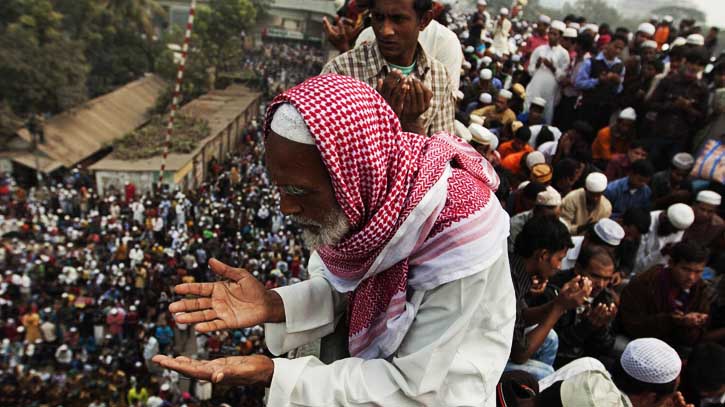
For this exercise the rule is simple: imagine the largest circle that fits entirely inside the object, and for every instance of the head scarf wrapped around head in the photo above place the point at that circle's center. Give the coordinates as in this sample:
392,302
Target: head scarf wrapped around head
422,210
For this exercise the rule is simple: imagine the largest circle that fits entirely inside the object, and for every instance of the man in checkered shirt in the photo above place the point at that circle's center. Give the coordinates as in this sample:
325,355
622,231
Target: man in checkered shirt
414,85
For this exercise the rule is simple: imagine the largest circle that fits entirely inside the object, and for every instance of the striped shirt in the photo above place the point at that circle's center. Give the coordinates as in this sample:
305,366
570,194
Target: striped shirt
522,285
367,64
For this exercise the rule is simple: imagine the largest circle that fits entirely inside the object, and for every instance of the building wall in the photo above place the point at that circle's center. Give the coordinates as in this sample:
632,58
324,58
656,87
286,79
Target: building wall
118,179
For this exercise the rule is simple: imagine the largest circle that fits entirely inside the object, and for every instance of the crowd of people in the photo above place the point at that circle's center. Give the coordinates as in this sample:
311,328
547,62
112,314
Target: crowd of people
88,279
607,147
605,142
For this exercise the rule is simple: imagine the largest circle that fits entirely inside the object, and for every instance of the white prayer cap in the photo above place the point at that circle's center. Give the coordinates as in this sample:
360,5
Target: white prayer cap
591,388
114,311
458,95
486,74
649,44
288,123
650,360
466,65
695,39
487,60
628,114
538,101
570,32
533,158
464,35
548,197
482,3
609,231
558,25
504,11
709,197
474,118
485,98
679,41
544,19
646,28
574,25
469,49
462,131
523,184
683,161
596,182
591,27
482,135
505,93
668,19
515,58
680,215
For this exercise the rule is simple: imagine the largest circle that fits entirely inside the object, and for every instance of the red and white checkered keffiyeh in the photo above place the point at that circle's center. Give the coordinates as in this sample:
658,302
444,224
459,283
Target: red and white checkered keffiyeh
422,210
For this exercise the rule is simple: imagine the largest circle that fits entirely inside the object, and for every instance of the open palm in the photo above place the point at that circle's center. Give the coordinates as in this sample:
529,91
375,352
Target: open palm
238,302
233,370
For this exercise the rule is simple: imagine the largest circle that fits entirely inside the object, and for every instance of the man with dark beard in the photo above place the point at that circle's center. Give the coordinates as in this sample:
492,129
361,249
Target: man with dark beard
430,315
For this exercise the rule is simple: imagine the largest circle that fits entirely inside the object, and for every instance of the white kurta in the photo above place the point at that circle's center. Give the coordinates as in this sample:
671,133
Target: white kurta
453,354
545,83
501,32
649,253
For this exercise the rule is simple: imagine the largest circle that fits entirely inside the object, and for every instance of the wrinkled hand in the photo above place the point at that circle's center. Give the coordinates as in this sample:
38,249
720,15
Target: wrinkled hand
602,314
340,33
234,370
574,293
239,302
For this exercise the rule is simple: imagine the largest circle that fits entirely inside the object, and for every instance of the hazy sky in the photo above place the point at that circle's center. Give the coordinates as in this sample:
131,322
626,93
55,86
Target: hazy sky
714,9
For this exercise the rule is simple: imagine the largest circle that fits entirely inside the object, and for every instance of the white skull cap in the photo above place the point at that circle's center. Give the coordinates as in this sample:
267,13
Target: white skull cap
650,360
288,123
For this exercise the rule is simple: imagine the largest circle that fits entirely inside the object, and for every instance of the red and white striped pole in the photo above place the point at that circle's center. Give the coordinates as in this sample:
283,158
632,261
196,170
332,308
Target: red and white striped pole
177,89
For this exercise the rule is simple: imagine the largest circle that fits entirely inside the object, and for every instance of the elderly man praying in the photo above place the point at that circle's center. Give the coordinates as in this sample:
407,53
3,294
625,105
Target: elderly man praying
409,260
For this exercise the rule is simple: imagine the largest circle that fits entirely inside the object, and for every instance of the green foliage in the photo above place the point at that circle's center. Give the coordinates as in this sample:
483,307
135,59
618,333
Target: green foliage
42,70
146,141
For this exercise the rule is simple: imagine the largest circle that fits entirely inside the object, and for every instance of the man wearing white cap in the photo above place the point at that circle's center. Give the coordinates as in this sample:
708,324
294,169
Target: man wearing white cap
670,301
667,228
499,114
535,115
477,23
501,30
547,204
589,333
708,225
547,66
482,84
645,32
583,207
538,37
646,375
485,142
615,139
673,184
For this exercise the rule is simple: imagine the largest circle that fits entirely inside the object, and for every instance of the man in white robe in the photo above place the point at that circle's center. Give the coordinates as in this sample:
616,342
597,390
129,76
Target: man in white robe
548,65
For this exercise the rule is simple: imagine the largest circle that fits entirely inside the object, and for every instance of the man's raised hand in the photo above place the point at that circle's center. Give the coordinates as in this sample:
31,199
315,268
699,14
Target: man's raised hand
238,302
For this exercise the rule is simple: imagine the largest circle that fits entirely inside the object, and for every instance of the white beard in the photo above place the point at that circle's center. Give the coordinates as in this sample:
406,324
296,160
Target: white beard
335,227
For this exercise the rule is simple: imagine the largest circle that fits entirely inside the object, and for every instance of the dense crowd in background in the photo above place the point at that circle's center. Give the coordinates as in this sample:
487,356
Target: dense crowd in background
616,133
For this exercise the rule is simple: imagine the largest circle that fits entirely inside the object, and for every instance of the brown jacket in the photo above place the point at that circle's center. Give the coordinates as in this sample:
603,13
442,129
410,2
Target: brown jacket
645,310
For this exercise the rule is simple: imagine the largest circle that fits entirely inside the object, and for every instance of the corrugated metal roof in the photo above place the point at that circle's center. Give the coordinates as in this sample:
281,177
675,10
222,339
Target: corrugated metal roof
77,134
326,7
219,108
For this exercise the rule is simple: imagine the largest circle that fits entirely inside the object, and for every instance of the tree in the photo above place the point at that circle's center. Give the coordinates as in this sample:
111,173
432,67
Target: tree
42,69
217,30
